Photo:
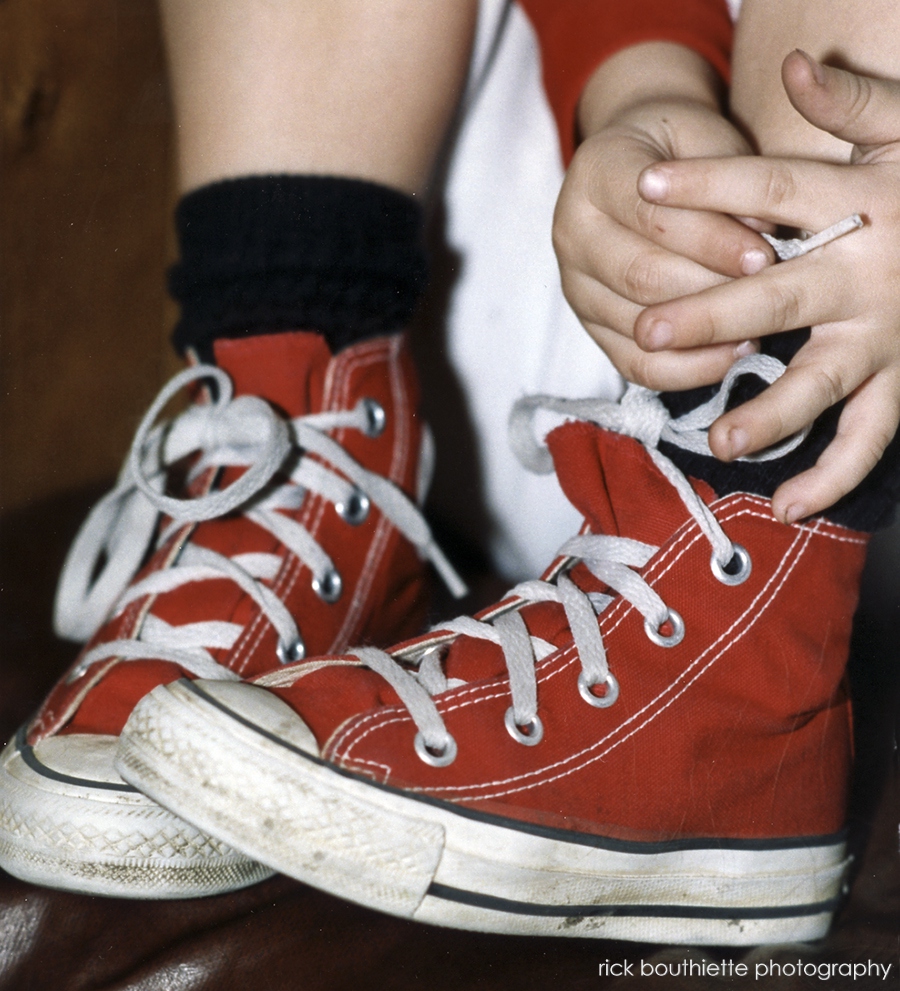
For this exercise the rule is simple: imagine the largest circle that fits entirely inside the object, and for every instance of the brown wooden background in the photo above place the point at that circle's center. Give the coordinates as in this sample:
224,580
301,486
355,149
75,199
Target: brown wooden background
84,238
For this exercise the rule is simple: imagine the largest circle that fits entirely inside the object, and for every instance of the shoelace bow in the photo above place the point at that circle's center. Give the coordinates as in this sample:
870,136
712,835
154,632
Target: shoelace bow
227,432
640,414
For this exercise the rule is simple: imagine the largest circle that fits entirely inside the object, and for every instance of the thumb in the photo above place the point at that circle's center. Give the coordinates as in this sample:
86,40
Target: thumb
862,110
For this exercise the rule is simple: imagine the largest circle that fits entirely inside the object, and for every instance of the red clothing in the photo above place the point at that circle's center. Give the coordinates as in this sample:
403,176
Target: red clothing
578,35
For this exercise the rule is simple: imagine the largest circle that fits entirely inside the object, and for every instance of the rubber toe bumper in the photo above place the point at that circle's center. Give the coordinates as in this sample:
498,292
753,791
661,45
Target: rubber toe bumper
241,765
67,820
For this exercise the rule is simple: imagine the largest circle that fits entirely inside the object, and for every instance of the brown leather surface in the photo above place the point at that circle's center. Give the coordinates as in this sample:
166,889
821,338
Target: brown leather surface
282,936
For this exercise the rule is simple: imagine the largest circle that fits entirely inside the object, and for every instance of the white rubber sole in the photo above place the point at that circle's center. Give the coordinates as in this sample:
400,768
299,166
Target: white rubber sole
238,763
67,820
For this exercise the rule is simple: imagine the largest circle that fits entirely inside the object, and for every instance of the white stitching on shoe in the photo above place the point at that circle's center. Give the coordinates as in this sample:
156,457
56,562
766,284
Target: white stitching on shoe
338,386
610,620
399,463
621,609
727,509
292,567
539,777
184,644
130,620
613,560
652,716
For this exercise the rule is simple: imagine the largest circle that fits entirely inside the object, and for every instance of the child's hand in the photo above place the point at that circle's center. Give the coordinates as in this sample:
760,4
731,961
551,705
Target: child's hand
847,291
618,254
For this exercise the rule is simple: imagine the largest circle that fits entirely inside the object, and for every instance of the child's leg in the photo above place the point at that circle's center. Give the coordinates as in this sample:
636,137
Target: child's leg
321,115
360,89
305,134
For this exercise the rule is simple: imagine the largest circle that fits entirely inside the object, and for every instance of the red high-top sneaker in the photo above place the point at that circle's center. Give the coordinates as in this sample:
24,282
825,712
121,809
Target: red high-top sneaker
299,535
650,743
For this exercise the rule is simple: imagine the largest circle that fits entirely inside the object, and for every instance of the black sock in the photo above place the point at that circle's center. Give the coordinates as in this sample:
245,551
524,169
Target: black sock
869,507
296,252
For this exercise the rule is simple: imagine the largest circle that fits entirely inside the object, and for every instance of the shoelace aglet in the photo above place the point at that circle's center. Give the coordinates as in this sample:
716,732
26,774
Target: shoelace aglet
449,575
794,247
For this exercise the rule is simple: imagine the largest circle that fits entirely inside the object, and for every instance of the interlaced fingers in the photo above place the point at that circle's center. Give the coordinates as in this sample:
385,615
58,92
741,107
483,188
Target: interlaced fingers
612,560
247,433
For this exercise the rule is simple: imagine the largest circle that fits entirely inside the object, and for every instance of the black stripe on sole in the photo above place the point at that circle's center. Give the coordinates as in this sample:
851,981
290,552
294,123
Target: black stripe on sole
31,759
494,904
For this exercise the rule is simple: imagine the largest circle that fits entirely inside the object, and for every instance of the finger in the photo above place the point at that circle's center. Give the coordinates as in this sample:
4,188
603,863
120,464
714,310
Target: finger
792,192
802,293
757,225
866,427
715,241
609,319
860,109
671,371
594,303
639,270
819,376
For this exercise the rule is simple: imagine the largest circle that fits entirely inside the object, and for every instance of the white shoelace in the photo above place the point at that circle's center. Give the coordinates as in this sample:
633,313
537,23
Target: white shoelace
244,432
613,560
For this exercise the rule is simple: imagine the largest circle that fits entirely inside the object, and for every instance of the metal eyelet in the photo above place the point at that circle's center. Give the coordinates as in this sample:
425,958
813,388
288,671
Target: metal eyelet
376,418
355,508
434,756
530,734
599,701
329,586
288,653
677,635
738,569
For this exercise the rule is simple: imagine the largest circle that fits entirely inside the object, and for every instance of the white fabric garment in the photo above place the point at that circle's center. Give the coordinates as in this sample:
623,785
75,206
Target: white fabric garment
510,331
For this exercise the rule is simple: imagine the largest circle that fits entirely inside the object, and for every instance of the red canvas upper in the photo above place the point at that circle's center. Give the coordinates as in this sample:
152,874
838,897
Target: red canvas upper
382,574
741,730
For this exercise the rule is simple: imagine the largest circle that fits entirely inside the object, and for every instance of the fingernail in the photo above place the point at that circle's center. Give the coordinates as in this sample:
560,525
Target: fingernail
659,336
738,442
746,348
794,512
653,185
753,261
816,69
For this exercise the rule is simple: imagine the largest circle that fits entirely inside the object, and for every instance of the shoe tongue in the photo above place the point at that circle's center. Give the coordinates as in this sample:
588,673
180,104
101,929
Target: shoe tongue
613,482
287,369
